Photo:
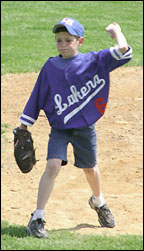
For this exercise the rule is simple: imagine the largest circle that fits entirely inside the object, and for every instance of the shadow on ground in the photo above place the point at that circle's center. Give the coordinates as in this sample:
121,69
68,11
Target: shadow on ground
21,231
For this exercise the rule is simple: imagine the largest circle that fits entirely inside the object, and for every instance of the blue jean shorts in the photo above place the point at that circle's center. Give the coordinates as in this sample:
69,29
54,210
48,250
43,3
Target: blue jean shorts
84,144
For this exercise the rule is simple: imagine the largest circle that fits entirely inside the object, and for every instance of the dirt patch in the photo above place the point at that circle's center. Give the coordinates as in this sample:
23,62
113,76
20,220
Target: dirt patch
120,156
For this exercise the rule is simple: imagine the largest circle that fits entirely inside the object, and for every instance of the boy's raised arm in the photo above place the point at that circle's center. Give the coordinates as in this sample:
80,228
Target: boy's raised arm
115,32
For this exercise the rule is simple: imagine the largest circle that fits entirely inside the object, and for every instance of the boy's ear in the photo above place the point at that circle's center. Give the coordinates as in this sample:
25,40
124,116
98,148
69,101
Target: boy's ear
81,40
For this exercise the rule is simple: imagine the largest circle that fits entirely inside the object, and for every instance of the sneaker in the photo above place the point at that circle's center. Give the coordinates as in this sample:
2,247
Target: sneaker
36,228
105,216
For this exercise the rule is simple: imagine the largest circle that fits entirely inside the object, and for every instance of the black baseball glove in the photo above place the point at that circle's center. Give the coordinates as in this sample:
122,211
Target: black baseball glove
24,151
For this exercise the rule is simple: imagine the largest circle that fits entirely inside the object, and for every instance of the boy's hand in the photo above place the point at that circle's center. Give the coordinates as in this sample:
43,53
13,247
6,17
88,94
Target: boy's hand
113,29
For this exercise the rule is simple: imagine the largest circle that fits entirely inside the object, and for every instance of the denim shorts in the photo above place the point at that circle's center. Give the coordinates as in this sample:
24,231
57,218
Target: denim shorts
84,144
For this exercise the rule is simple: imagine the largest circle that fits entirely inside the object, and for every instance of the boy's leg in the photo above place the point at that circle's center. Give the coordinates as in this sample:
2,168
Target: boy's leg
93,178
36,223
57,157
47,182
97,202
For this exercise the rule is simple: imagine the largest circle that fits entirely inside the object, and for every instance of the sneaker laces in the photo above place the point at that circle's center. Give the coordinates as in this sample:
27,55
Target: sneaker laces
104,208
41,223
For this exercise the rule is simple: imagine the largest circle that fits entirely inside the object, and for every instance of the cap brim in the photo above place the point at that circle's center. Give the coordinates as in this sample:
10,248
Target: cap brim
71,31
56,27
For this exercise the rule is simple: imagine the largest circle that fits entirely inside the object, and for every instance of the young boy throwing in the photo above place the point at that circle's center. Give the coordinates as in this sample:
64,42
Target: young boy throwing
72,89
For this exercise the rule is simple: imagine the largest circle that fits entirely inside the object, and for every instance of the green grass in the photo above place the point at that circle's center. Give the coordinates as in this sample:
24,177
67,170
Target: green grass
4,127
28,41
15,237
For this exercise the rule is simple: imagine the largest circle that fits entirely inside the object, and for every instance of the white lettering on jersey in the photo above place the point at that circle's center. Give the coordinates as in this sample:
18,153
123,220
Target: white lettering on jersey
76,96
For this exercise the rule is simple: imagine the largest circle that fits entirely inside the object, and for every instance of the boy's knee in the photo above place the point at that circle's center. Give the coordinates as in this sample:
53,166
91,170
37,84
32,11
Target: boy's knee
90,171
53,167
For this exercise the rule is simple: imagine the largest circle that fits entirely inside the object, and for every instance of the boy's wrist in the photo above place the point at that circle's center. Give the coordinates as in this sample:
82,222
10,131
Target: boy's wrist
23,127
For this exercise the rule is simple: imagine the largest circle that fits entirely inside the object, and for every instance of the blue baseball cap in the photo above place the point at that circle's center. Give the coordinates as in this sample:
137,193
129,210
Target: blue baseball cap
72,26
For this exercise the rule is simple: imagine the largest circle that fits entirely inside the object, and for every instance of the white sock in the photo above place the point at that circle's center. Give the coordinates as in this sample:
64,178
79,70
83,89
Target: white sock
98,201
38,214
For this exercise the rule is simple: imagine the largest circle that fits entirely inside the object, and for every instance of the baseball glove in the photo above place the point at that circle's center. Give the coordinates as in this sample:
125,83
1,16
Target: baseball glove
24,151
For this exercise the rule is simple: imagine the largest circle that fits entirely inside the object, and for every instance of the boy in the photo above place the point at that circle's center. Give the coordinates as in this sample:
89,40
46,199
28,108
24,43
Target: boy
72,89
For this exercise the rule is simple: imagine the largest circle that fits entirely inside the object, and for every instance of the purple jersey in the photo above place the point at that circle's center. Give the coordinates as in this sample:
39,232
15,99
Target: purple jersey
73,92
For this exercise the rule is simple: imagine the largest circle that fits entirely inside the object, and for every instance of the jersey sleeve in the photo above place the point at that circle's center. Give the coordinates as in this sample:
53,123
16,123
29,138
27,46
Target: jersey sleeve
36,100
119,58
112,58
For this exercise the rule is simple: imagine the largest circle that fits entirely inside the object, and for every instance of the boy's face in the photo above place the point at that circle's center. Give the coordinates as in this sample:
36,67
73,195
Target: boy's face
67,44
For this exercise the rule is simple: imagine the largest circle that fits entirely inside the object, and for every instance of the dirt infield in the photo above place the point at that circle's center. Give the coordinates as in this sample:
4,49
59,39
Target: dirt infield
120,156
